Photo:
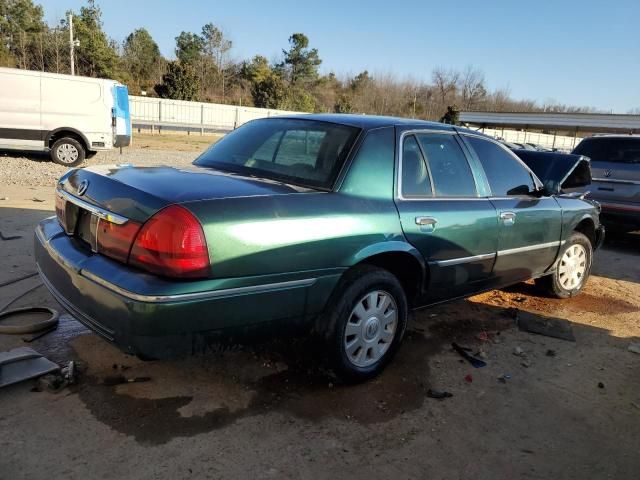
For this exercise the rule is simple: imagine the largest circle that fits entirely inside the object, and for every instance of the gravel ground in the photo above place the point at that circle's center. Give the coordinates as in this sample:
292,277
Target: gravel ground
36,170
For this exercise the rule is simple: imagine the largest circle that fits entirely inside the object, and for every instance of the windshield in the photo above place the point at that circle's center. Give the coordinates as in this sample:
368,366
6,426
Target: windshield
297,151
615,149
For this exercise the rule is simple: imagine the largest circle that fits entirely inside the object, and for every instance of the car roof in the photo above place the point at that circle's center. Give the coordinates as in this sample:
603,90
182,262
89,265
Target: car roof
368,121
613,135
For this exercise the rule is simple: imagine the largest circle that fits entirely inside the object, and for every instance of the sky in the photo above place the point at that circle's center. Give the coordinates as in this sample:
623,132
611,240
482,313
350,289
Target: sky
583,53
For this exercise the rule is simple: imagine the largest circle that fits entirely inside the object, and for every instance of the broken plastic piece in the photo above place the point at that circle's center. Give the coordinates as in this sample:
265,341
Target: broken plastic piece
464,353
22,364
438,394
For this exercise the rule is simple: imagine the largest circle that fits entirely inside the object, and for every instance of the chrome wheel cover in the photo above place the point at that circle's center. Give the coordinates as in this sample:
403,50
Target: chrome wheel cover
572,267
371,328
67,153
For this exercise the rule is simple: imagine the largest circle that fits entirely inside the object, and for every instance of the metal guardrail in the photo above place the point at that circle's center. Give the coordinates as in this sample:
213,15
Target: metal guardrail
159,113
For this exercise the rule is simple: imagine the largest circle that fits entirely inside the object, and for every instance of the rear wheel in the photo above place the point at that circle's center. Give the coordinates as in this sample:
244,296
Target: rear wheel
68,152
572,270
365,324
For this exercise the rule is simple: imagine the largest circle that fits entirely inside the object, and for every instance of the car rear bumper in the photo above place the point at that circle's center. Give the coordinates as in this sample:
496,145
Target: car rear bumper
157,318
621,213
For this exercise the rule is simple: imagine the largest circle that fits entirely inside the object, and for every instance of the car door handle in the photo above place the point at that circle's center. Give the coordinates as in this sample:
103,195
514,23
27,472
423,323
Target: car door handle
429,223
508,218
423,221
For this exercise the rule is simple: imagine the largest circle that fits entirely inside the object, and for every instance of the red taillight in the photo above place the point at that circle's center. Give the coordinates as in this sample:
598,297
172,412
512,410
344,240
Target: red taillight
115,240
171,243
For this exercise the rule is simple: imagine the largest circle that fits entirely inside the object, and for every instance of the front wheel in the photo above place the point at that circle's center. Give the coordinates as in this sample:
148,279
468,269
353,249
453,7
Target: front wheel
68,152
365,323
572,270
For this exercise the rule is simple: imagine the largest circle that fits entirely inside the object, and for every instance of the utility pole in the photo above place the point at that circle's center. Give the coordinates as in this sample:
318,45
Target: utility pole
72,45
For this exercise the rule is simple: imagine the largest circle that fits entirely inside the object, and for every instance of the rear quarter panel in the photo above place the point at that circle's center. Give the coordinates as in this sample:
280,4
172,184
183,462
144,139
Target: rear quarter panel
292,233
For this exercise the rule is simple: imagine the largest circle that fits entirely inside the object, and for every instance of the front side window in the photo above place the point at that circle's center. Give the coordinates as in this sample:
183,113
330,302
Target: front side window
449,168
302,152
506,175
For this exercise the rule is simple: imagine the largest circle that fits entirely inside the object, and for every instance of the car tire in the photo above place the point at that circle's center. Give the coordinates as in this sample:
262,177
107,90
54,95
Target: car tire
68,152
369,307
572,269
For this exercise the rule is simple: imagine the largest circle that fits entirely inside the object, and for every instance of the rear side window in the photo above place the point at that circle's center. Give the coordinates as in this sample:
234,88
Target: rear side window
615,149
506,175
448,166
415,176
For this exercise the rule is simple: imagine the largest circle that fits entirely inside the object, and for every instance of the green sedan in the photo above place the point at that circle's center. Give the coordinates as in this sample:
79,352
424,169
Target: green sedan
334,225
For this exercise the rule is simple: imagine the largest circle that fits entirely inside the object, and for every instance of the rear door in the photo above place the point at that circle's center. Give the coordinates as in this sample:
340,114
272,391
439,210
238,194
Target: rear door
615,168
443,213
530,225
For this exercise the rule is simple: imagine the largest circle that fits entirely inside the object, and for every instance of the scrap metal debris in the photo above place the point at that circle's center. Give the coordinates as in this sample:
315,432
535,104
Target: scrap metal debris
10,237
548,326
19,279
22,364
438,394
41,334
120,379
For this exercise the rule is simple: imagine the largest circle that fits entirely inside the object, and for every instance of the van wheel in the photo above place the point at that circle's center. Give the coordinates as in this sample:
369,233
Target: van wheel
365,323
572,269
68,152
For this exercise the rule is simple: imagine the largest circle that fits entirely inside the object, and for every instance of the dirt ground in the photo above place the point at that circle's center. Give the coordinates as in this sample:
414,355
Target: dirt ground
264,412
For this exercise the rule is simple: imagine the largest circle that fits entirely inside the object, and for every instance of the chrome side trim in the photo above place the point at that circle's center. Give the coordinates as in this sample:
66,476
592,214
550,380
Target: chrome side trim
529,248
461,260
183,297
488,256
97,211
614,180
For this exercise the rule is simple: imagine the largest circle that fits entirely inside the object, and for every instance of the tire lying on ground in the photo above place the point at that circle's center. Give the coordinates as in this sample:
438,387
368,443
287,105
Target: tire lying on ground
68,152
18,329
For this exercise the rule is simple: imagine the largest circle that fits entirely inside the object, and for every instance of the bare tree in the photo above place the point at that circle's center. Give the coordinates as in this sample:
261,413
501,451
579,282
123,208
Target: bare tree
445,83
472,86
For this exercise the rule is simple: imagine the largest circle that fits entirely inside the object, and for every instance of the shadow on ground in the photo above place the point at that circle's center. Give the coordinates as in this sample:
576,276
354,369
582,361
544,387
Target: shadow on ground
195,395
35,156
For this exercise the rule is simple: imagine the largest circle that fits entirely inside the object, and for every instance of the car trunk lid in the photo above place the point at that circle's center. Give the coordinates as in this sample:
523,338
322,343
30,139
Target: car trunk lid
138,192
104,207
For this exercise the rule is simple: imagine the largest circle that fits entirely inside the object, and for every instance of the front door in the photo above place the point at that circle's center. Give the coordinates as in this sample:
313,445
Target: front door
530,224
443,216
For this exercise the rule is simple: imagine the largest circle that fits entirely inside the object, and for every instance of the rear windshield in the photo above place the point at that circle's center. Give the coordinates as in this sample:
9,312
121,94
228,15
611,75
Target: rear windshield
617,150
302,152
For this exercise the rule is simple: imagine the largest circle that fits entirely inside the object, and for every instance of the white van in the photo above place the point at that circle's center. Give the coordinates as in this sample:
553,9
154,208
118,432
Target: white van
71,117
